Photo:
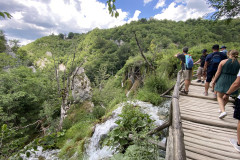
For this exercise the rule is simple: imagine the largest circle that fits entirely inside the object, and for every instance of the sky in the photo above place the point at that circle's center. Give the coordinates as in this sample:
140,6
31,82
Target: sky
33,19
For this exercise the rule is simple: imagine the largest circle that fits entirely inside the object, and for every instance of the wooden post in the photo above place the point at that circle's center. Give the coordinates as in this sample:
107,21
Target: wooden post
178,147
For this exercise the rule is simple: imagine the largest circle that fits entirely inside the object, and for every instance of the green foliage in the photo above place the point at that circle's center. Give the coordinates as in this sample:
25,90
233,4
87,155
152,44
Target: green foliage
112,8
2,42
131,134
10,141
61,36
225,8
7,60
5,15
110,94
70,35
98,112
22,95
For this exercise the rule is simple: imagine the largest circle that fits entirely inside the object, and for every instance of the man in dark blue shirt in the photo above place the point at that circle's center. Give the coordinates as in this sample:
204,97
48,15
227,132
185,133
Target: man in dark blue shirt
211,65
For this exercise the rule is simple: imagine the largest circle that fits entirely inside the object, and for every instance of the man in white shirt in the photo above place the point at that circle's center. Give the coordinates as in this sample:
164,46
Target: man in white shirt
234,87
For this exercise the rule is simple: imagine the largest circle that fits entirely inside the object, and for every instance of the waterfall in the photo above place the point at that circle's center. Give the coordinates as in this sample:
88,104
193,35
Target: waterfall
93,148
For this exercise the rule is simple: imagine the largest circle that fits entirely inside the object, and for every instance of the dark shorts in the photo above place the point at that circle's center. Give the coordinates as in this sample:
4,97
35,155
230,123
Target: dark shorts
236,113
210,76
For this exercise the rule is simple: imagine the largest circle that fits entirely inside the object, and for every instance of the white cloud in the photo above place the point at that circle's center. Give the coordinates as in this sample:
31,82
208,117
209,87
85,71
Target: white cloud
135,16
146,1
33,19
160,3
185,10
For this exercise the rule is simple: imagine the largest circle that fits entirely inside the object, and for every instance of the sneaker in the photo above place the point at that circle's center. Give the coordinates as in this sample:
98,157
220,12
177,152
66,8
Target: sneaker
205,93
198,81
219,111
234,144
222,115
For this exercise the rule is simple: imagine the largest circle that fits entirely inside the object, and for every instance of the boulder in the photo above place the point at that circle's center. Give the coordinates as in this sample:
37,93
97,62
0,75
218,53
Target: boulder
81,86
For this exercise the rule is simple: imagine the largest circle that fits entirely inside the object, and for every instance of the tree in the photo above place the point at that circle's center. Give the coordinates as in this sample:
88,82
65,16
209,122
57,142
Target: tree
64,84
2,42
61,36
14,44
225,8
70,35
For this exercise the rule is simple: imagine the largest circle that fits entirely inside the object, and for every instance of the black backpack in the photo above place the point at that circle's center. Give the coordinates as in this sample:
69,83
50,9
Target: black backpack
214,62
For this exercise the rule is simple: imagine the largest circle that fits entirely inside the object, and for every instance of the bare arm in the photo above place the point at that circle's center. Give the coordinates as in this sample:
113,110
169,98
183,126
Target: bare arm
233,88
197,61
176,54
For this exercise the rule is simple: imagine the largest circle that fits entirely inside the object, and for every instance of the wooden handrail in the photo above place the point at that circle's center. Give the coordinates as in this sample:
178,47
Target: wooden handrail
175,142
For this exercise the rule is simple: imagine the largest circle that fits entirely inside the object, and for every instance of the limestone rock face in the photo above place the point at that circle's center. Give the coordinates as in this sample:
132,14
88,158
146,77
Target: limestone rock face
81,86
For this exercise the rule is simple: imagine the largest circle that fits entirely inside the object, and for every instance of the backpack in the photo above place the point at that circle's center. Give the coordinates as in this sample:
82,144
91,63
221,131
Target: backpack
214,62
188,61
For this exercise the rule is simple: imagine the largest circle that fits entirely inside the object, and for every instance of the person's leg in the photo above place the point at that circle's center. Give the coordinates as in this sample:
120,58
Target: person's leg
236,115
199,74
206,87
187,84
221,101
238,132
207,84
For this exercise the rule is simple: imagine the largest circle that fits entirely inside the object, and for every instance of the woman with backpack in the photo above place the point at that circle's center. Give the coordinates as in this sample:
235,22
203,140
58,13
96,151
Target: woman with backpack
225,76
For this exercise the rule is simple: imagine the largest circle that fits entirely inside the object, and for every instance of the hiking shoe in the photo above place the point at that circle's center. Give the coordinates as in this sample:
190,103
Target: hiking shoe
198,81
183,91
205,93
234,144
222,115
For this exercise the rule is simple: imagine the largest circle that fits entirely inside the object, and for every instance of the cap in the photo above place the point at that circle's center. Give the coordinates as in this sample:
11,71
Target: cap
216,47
185,49
204,50
223,47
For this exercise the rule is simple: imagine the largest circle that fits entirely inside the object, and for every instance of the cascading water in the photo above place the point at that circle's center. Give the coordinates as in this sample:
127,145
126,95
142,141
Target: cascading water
46,155
93,149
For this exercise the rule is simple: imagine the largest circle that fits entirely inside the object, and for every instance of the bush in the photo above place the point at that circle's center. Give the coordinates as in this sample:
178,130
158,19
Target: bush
98,112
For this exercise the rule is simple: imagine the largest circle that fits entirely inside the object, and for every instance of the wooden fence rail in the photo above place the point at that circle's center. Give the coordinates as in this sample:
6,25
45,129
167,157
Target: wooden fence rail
175,142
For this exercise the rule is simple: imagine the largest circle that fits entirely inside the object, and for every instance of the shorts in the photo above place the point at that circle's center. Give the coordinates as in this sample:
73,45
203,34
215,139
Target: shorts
236,113
210,76
200,71
187,74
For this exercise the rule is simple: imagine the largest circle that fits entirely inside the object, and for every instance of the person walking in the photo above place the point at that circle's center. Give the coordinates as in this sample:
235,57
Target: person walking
225,76
235,86
186,65
211,64
224,50
200,68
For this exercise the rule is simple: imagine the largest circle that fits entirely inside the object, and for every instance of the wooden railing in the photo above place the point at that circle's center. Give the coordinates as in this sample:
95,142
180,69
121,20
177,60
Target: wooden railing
175,149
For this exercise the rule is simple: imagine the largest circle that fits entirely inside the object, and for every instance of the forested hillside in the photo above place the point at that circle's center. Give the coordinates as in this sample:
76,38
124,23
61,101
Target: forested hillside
37,93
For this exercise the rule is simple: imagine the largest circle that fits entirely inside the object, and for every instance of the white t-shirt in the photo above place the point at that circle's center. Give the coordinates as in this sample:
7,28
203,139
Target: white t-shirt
238,76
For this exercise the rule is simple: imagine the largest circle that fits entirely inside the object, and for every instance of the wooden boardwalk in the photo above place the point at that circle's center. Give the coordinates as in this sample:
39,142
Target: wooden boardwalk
206,137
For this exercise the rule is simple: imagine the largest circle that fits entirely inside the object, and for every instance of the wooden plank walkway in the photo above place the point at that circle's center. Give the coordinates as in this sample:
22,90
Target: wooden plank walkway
206,137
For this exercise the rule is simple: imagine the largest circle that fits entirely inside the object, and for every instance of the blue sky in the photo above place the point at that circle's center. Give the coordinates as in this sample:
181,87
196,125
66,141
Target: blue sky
33,19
